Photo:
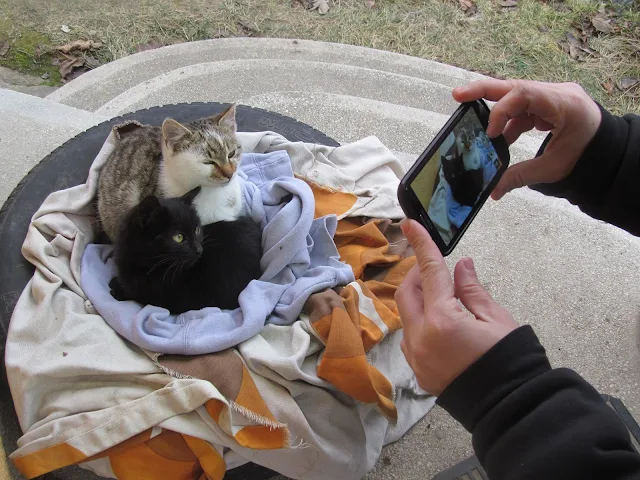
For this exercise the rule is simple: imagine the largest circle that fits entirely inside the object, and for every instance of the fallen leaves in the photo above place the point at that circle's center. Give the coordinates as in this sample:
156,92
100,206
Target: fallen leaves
609,86
74,60
577,43
626,85
69,63
576,48
321,5
468,7
602,24
4,47
79,45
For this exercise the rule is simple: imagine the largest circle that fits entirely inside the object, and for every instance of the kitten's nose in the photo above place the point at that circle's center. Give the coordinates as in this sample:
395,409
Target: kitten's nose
227,171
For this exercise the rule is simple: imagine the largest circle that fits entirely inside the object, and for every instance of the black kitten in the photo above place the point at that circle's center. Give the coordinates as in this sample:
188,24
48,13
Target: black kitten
165,258
465,185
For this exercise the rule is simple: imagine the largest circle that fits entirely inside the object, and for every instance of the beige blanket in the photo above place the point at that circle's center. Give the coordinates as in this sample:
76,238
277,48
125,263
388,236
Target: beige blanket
314,400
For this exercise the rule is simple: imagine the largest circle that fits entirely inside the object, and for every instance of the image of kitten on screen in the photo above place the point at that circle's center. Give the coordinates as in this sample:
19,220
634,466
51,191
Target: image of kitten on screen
460,170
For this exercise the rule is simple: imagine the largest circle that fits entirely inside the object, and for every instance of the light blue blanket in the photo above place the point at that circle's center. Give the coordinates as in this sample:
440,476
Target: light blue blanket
299,258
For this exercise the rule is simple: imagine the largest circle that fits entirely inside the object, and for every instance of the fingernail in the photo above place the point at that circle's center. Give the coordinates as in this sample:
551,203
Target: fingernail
404,226
468,264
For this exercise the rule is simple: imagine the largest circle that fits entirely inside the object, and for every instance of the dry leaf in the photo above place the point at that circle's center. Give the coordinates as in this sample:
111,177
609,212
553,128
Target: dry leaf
468,7
4,47
81,45
321,5
574,47
609,86
577,49
65,28
76,73
602,24
628,83
67,66
91,62
508,3
370,3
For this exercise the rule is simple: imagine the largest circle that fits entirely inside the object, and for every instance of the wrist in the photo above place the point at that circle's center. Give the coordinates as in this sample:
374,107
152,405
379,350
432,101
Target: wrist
514,360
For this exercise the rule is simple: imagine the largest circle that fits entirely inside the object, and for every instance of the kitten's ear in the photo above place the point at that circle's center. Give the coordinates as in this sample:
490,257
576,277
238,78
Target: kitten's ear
173,131
227,118
146,209
190,196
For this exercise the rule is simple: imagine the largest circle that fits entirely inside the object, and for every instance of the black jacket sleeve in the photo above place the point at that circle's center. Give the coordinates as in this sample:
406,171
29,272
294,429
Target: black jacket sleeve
532,422
605,182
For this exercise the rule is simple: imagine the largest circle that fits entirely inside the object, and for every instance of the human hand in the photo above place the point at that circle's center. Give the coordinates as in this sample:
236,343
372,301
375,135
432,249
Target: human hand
565,109
442,339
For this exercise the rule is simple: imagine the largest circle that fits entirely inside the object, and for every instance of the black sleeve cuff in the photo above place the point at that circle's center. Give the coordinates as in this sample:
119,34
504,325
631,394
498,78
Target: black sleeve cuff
513,361
594,174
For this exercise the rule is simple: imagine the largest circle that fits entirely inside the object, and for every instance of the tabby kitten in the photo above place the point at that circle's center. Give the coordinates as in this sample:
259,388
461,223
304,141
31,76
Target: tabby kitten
169,161
164,257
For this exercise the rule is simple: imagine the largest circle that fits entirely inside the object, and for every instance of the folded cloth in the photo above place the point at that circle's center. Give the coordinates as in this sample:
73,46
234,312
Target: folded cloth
316,399
299,259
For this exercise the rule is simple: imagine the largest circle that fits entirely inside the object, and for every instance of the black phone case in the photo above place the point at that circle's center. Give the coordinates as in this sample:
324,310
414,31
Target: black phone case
409,202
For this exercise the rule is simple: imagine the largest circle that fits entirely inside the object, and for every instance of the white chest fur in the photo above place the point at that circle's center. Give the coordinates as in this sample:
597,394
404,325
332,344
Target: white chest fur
219,202
471,159
214,203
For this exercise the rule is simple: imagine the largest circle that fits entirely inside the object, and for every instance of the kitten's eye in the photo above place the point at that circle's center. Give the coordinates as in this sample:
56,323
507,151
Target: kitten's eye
178,237
232,154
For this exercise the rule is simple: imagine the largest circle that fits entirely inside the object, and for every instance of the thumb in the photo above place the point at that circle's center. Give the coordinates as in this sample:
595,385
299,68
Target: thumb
530,172
436,280
472,294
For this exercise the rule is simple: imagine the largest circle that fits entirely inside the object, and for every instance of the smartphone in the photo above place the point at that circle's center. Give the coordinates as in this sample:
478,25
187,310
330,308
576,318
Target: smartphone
448,184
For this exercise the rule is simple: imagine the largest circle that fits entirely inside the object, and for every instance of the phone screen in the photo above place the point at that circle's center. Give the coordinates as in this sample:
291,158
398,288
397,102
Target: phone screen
450,183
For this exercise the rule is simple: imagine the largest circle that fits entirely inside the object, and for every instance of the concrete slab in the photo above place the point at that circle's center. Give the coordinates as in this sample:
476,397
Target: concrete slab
405,130
94,89
229,80
33,127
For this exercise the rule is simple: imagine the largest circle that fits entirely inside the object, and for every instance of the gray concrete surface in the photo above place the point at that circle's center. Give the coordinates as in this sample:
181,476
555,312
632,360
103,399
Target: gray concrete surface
576,280
95,88
31,128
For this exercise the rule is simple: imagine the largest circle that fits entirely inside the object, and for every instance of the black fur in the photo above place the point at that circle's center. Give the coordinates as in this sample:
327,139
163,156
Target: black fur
466,185
207,269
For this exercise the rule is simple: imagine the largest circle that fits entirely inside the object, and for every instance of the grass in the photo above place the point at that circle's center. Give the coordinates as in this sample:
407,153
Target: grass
514,43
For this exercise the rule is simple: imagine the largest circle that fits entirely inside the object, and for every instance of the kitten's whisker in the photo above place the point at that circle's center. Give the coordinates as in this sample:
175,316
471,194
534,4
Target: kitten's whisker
160,263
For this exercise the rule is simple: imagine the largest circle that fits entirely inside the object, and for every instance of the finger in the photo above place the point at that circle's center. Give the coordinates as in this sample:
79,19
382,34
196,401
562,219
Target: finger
542,125
536,98
471,292
475,297
517,126
542,169
409,298
492,90
436,280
